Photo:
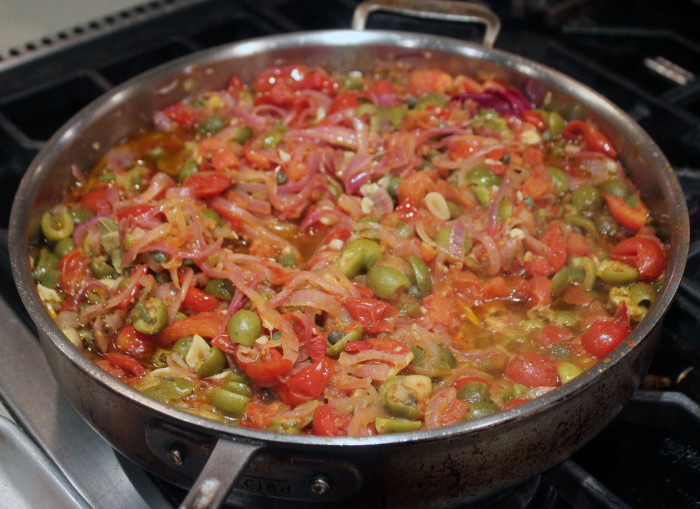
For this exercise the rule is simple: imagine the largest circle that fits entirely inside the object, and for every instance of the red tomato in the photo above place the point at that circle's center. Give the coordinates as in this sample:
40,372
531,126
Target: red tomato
577,245
432,80
128,364
595,140
535,118
346,100
496,288
416,186
632,218
186,117
223,343
541,290
207,184
200,301
329,423
533,370
74,271
376,316
385,345
135,343
224,159
552,334
133,210
206,325
96,201
307,384
441,311
603,336
555,257
515,402
642,253
268,368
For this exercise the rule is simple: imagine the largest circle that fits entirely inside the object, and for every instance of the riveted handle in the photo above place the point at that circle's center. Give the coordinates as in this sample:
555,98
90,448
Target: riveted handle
444,10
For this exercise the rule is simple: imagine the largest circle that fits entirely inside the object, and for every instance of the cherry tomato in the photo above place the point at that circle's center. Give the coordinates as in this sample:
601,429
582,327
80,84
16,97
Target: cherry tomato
74,271
515,402
595,140
268,368
375,315
207,184
552,334
632,218
416,186
183,115
307,384
329,423
577,245
224,159
135,343
133,210
540,290
533,370
128,364
603,336
535,118
554,259
206,325
642,253
496,288
432,80
96,201
200,301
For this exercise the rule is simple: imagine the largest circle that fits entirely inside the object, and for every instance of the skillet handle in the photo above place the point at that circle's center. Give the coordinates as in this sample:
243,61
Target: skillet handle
225,465
445,10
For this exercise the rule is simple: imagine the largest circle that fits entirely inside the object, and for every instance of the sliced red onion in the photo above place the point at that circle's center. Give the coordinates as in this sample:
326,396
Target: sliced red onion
457,236
332,216
506,101
382,203
159,183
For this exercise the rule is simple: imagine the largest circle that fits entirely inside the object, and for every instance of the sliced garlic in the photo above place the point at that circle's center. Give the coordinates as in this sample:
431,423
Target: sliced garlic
197,352
437,205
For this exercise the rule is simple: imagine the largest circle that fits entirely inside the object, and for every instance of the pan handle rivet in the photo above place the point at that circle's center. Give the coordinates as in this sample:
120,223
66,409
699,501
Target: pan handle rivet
175,455
320,486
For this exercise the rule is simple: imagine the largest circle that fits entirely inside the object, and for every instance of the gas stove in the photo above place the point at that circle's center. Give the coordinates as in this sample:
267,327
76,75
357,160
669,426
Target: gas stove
643,56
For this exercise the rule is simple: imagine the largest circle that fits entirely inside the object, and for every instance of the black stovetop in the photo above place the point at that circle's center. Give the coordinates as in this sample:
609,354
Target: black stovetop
643,55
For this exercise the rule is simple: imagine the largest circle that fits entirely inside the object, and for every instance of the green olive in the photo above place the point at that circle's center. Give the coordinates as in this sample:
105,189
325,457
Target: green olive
166,390
481,175
357,255
101,269
285,427
431,99
443,236
337,340
617,273
480,409
606,225
560,280
386,281
589,270
187,169
400,395
582,222
386,425
63,247
46,272
568,371
80,215
396,115
418,354
211,125
555,124
287,260
617,187
213,363
483,195
244,327
213,215
56,226
586,198
134,178
474,391
182,346
239,388
220,288
230,403
242,134
561,181
151,316
642,294
423,280
272,138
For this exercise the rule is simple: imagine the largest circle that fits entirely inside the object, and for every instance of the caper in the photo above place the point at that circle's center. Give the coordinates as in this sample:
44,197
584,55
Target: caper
272,138
606,225
244,327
